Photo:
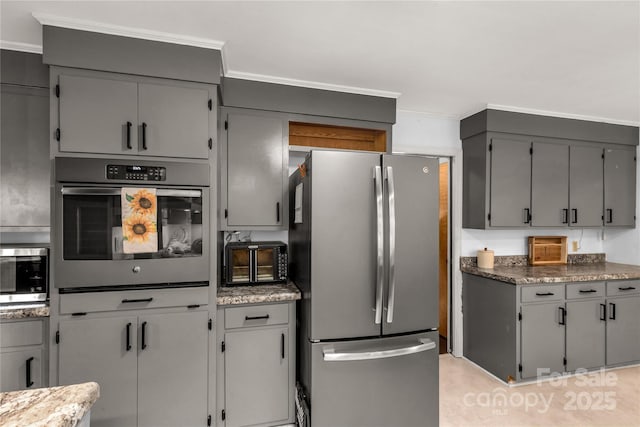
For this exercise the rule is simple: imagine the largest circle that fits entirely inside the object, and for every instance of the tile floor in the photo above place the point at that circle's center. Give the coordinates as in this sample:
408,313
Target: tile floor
471,397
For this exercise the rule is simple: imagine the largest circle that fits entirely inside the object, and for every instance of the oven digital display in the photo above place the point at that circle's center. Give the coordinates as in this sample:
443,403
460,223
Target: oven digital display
136,173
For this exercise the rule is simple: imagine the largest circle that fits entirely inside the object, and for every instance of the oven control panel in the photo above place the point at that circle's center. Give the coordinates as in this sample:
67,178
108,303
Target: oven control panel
136,173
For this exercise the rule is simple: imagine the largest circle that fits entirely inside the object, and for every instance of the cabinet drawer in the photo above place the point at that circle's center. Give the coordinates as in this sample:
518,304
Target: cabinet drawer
127,300
585,290
623,287
542,293
256,315
15,334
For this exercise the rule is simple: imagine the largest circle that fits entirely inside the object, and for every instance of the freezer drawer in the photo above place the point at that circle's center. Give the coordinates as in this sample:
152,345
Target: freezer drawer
379,382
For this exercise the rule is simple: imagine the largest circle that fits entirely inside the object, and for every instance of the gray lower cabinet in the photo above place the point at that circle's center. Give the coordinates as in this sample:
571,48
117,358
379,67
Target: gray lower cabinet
117,114
549,185
256,365
151,366
24,158
22,354
623,326
586,324
620,187
542,339
510,183
254,169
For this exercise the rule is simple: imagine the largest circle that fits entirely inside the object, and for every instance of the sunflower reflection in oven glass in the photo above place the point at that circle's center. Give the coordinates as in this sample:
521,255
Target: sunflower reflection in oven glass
138,228
143,202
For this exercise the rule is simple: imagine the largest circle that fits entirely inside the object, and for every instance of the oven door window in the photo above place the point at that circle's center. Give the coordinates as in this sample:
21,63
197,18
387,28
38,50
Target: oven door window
92,225
240,263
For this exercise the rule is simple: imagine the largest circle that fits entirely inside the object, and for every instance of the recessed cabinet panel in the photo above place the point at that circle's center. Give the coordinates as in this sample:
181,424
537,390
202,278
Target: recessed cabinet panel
549,185
174,121
94,114
255,165
20,370
585,186
619,188
542,339
510,183
623,330
97,349
586,324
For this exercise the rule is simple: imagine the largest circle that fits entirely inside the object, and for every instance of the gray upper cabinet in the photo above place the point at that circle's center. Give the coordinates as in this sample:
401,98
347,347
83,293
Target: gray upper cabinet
619,187
24,158
510,182
98,115
585,186
254,170
549,185
118,114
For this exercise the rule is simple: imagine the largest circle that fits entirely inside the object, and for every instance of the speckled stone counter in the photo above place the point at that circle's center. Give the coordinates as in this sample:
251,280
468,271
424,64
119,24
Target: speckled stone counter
257,294
589,267
24,311
62,406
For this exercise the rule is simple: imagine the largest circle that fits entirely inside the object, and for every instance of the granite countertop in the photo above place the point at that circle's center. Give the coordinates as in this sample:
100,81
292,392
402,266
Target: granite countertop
23,311
583,268
258,294
62,406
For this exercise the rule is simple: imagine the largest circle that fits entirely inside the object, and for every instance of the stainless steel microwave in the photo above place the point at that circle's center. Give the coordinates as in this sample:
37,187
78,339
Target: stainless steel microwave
23,274
255,263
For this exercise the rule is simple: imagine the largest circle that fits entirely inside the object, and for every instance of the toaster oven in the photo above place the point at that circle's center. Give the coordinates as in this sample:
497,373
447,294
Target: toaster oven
255,263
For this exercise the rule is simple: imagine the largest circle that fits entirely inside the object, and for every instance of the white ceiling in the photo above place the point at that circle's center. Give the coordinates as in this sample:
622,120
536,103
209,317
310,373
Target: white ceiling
451,58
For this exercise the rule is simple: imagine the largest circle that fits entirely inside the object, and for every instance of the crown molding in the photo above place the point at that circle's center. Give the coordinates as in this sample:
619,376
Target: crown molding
118,30
310,84
22,47
561,115
432,114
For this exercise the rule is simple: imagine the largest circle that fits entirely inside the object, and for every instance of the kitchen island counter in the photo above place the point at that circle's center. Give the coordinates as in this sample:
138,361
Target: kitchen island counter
24,311
515,270
257,294
63,406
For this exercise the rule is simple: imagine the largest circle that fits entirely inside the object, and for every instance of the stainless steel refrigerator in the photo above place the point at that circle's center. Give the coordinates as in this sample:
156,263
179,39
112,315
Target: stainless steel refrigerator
363,242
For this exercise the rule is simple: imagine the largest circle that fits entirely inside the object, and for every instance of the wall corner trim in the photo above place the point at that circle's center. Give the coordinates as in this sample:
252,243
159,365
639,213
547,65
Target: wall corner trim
20,47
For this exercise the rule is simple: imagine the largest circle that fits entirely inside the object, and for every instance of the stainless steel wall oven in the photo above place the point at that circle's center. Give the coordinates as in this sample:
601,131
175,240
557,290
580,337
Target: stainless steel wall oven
89,239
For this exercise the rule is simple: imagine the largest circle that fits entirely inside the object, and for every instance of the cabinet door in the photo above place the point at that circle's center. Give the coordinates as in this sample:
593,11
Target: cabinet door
542,340
623,330
20,370
619,187
585,334
549,185
97,349
585,186
256,377
174,121
94,114
510,183
255,170
24,153
172,369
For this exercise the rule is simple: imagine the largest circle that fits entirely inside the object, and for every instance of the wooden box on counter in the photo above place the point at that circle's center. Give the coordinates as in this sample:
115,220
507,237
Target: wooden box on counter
547,250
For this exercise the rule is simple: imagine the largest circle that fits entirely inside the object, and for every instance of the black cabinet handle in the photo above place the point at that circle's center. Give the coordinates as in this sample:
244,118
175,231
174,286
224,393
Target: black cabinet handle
574,212
587,291
527,215
29,382
129,135
563,315
609,216
278,212
282,347
612,311
144,136
144,336
603,312
130,301
266,316
565,216
627,288
544,294
128,347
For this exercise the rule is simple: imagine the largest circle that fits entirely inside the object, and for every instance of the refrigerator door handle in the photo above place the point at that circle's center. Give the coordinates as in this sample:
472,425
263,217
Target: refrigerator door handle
423,344
391,189
377,180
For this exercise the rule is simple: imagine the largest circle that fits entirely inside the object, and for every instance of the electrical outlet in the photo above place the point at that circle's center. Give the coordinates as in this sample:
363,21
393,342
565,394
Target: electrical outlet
574,246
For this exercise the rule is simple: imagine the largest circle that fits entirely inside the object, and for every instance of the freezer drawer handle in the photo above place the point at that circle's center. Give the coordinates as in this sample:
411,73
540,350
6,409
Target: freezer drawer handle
423,344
